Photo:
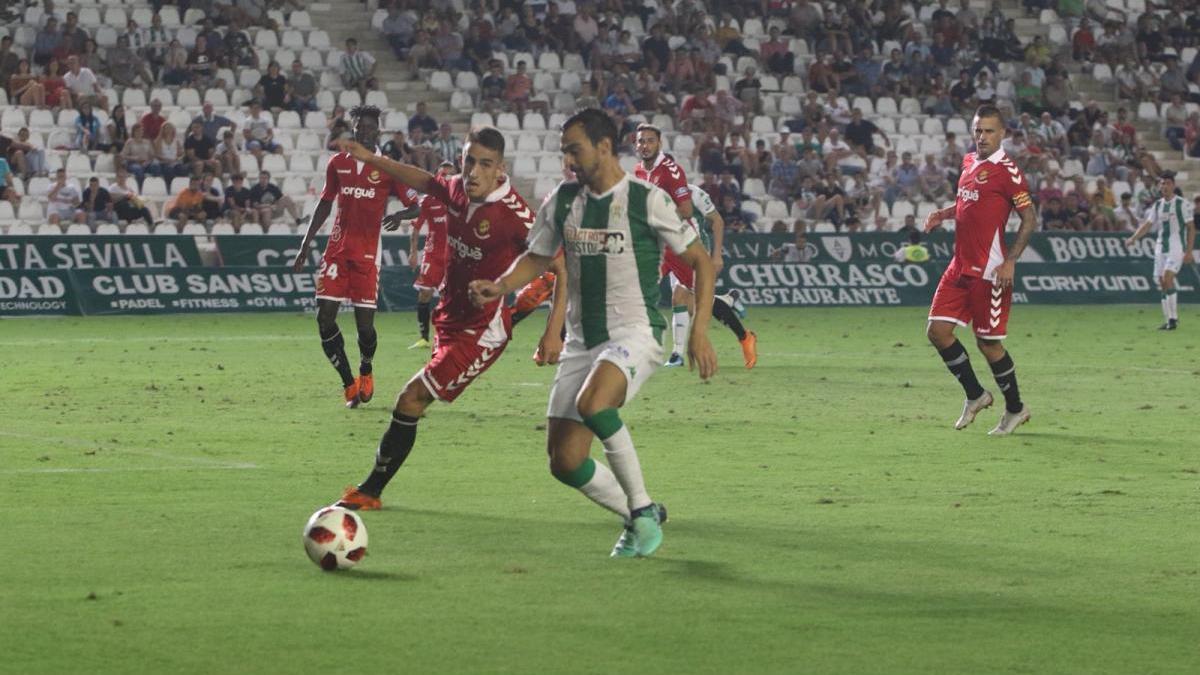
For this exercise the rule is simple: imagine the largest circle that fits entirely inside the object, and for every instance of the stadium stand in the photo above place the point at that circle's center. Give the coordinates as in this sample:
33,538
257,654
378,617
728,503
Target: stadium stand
827,114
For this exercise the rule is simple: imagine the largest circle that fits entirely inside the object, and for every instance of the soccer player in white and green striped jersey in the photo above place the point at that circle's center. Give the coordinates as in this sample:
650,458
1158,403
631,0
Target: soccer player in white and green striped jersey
612,228
1171,214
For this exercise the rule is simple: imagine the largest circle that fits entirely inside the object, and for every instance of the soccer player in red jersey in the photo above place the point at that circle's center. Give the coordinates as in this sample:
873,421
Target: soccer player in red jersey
432,259
976,288
660,168
486,231
350,266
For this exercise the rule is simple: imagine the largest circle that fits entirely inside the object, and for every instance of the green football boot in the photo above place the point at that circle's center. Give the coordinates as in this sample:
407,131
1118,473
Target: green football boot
626,546
647,529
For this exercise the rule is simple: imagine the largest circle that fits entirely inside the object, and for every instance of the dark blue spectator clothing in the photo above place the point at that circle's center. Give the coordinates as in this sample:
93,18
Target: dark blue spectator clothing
212,125
424,123
274,90
260,195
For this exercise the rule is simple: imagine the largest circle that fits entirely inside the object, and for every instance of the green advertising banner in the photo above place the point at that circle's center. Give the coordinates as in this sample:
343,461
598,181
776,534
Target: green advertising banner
274,250
98,252
36,292
226,289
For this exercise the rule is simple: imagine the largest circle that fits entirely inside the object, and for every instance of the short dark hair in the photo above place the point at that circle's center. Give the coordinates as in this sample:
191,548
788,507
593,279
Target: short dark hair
989,110
645,126
365,111
597,126
489,137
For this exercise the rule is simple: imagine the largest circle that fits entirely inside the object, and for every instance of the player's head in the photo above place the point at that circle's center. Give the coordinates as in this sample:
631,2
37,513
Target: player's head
589,142
1166,183
987,129
483,162
648,141
366,124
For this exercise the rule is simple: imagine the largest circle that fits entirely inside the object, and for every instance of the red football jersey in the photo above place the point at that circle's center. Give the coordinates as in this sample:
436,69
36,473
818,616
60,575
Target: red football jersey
988,190
482,241
362,193
432,219
667,175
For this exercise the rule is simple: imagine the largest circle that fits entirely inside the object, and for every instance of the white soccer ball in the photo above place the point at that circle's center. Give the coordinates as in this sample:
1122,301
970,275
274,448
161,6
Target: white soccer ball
335,538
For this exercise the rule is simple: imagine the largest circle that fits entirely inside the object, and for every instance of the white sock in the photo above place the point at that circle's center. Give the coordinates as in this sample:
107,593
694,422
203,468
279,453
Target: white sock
1173,305
1166,307
621,456
605,490
680,321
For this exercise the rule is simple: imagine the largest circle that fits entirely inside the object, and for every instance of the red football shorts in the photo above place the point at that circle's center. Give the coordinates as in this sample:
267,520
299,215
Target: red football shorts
535,293
458,359
343,280
962,300
432,272
683,272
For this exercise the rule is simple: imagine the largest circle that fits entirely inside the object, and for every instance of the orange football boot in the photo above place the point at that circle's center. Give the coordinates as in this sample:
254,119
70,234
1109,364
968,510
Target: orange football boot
357,500
351,394
366,387
750,348
535,293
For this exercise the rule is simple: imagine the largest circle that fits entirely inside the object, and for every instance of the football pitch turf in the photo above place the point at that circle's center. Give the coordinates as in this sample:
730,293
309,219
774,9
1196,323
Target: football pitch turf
155,474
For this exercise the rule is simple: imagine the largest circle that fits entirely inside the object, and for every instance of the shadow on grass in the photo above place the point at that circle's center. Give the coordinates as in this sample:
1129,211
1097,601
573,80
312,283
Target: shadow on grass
376,576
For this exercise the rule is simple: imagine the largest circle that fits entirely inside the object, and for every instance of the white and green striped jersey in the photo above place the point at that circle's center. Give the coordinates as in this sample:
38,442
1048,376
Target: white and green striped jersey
613,244
703,208
1171,217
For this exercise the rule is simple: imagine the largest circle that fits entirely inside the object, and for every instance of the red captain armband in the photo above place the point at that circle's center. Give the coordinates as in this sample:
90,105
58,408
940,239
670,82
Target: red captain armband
1022,200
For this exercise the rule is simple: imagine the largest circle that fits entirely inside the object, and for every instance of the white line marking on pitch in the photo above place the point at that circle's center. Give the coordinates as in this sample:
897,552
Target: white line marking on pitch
199,462
231,467
211,338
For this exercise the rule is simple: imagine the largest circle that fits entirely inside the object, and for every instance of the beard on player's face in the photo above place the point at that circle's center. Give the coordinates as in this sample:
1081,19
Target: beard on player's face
366,132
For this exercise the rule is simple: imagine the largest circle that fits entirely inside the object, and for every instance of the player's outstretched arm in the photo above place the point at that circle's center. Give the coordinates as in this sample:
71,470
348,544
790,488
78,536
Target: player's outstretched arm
528,266
1142,229
700,350
1007,269
314,225
415,178
551,345
935,218
391,222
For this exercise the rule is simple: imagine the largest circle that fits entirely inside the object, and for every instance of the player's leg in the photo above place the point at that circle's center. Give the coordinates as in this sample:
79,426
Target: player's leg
394,447
1170,300
532,296
681,303
424,305
568,445
724,312
1004,370
368,340
958,362
334,345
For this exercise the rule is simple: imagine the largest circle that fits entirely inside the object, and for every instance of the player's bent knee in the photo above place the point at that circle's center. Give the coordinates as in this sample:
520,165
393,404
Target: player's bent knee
414,399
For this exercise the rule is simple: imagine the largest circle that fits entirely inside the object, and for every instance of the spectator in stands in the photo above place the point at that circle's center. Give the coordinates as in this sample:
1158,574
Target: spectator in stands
91,58
492,86
24,87
1056,95
63,200
1083,42
1051,135
210,122
8,62
237,202
518,89
138,154
421,150
87,129
820,74
423,53
96,203
301,89
835,150
784,176
1175,115
1057,216
126,68
271,88
47,42
188,204
127,204
153,121
587,29
199,151
860,133
398,29
963,92
158,45
985,92
776,55
238,49
175,69
357,68
227,153
423,120
447,147
168,155
259,131
28,159
7,191
201,66
725,112
214,197
73,37
907,177
656,51
83,84
1127,216
934,186
1029,95
397,148
1191,135
268,201
748,90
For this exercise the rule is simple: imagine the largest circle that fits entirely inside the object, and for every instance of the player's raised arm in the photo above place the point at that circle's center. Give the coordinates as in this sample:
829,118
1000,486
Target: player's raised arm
524,270
416,178
551,345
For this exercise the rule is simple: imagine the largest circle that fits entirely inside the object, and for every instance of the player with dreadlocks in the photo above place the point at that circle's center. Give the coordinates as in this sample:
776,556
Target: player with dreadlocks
350,267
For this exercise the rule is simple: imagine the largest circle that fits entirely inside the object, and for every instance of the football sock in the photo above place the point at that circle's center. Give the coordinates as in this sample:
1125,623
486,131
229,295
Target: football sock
959,365
621,455
725,314
1006,378
393,449
598,484
423,319
1166,306
335,351
1172,300
679,329
367,342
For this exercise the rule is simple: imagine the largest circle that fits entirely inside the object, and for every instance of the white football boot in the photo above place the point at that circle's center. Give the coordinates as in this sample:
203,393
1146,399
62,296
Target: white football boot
1010,421
971,408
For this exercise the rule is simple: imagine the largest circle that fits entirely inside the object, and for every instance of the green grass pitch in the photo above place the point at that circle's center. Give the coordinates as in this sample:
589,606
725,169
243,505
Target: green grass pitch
825,517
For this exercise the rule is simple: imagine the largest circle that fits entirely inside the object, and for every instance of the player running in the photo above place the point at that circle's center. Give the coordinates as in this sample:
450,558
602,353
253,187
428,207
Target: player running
350,266
486,231
612,228
976,288
431,261
711,227
1176,241
660,169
